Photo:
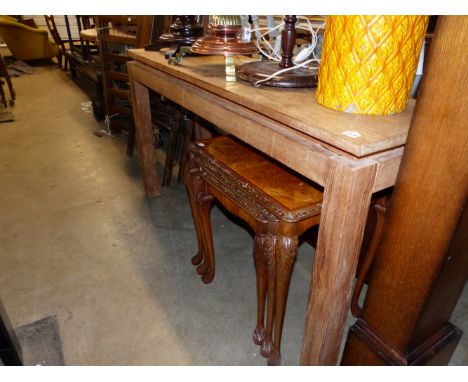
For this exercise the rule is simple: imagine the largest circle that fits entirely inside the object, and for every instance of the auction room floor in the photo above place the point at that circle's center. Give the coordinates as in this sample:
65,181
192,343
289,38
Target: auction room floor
80,241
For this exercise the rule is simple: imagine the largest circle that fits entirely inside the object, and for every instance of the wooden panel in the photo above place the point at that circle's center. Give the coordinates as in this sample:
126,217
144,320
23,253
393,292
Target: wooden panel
296,108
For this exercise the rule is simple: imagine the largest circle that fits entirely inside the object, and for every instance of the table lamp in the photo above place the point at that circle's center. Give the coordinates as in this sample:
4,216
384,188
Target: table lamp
183,32
224,38
299,77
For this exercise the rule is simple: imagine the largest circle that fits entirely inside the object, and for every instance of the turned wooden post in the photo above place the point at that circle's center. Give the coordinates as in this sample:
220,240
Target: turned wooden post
288,39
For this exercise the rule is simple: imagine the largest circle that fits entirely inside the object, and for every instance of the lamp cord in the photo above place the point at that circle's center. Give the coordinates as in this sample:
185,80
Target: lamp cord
272,53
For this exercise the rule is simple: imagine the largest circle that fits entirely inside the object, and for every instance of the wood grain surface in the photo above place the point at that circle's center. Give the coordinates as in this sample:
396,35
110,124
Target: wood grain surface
295,108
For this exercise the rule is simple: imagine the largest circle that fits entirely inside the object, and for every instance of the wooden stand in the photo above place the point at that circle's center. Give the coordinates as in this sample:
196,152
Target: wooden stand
421,264
184,32
294,78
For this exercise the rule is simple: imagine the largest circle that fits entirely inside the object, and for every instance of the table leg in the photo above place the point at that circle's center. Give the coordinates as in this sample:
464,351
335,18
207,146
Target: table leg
144,136
348,191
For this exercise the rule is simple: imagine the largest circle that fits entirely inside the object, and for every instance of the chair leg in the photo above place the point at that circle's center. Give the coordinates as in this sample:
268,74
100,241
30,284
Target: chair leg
2,94
261,274
285,255
171,151
4,71
59,60
187,138
131,140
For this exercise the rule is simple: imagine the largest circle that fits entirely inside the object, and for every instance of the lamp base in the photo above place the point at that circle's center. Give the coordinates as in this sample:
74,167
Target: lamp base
223,40
294,78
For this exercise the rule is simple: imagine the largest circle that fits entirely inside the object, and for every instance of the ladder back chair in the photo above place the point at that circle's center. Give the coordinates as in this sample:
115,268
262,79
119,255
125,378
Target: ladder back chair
115,35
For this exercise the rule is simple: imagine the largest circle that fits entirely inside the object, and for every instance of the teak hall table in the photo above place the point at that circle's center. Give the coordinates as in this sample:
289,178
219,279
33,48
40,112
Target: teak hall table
351,156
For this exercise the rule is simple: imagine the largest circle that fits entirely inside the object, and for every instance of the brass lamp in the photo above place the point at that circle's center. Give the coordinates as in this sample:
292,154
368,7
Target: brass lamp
224,38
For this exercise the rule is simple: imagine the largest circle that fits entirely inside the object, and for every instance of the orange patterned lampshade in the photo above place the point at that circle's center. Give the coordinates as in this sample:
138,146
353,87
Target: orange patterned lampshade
369,62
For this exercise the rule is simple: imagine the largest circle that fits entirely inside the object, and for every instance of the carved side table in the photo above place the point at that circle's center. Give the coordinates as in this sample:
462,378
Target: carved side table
278,205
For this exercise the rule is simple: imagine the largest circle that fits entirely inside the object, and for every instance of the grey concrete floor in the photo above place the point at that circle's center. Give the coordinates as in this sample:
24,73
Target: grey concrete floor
79,240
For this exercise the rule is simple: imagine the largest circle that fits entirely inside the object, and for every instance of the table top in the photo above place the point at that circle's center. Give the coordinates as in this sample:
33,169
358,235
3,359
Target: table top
89,34
358,135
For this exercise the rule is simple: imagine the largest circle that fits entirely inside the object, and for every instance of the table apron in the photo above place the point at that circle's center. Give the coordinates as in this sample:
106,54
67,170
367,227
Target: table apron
290,147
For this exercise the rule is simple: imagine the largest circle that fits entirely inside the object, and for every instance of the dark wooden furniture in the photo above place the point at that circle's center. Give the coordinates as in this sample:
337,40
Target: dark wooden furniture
350,156
294,78
9,346
277,204
421,264
62,57
81,57
115,35
183,32
4,73
87,50
171,120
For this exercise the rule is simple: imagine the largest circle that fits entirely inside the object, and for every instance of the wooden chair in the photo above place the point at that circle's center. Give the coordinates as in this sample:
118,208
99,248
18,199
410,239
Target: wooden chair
115,35
277,204
4,73
84,60
62,56
84,49
178,124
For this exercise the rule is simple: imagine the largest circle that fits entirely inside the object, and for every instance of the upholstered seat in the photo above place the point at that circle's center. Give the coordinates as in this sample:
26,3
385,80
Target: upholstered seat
26,43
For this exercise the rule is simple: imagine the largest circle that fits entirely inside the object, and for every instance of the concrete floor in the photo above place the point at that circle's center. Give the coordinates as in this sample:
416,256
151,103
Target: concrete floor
79,240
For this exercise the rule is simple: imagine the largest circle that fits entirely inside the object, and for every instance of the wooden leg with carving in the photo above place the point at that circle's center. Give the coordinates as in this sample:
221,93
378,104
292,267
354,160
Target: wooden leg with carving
144,135
269,256
335,262
261,275
207,268
285,255
201,203
193,188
